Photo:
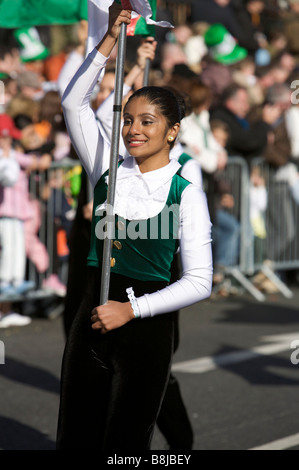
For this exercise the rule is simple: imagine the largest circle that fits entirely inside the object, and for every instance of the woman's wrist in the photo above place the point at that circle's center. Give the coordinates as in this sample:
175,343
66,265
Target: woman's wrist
130,311
106,45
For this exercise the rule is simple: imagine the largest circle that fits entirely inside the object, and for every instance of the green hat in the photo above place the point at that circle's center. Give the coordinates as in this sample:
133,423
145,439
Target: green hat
222,46
31,46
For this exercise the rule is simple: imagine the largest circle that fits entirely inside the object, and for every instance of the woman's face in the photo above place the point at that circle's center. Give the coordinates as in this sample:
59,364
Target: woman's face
145,130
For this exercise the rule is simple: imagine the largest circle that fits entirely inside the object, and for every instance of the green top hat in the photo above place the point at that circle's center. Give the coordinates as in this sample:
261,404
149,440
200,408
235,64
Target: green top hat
31,46
222,46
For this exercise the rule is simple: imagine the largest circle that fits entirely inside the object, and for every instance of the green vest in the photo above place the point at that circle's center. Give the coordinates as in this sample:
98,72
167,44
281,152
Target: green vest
184,158
142,249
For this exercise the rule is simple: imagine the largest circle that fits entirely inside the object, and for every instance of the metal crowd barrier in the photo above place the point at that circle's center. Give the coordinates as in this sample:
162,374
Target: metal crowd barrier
281,248
52,192
236,175
278,250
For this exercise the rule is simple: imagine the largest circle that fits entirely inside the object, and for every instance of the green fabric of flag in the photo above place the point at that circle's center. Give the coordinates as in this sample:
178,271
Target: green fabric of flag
139,27
24,13
138,24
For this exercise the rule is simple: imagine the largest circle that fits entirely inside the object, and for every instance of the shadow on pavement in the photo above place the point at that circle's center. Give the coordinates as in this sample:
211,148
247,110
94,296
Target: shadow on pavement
18,436
260,370
260,313
30,375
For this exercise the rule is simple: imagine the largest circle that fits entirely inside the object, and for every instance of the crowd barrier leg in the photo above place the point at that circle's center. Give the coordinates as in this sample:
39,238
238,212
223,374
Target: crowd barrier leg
281,286
246,283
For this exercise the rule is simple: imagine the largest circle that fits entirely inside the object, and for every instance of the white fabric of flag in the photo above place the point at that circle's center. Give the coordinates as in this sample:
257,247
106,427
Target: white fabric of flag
98,14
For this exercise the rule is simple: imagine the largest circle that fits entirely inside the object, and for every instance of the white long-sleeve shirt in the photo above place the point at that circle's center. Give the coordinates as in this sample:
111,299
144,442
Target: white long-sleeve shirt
93,149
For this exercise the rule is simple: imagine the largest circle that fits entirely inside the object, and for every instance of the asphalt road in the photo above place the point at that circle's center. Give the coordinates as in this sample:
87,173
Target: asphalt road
236,365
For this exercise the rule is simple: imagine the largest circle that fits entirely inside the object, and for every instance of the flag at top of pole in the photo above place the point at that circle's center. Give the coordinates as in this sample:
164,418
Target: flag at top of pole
143,17
138,24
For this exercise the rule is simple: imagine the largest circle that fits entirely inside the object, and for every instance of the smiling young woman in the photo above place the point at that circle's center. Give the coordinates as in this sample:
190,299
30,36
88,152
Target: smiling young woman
118,356
146,131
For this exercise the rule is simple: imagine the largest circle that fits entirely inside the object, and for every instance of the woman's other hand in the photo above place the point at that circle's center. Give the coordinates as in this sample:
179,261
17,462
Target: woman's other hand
117,16
111,316
145,51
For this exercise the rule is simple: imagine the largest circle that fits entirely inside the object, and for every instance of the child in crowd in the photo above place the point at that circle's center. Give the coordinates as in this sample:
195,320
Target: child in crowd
37,141
226,232
13,212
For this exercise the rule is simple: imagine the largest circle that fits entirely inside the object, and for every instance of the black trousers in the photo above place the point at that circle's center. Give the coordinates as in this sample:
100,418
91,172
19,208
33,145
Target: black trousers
113,385
173,420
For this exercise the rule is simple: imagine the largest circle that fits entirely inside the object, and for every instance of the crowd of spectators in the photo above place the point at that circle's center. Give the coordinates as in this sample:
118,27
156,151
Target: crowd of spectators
236,62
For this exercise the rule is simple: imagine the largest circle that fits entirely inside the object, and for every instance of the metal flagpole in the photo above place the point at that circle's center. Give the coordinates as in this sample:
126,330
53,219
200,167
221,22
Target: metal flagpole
146,72
114,157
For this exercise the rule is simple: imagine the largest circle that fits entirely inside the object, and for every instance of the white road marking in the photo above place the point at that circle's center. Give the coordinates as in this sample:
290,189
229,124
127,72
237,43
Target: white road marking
278,343
280,444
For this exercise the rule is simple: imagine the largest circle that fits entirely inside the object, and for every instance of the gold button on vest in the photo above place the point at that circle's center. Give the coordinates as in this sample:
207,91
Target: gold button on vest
117,244
112,262
120,225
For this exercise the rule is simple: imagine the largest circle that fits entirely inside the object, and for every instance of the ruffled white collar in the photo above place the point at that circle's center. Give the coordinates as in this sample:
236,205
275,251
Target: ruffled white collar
139,196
